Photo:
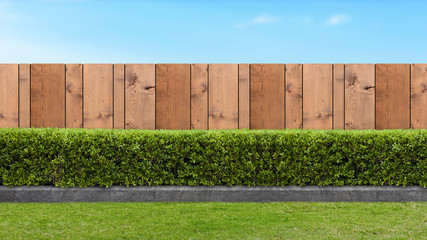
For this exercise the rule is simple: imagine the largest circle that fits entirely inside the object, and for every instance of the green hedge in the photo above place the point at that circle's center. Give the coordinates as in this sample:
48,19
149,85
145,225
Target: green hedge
82,157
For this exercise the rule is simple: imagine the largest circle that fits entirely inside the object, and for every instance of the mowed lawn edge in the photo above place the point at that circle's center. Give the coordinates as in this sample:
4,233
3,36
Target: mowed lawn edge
213,220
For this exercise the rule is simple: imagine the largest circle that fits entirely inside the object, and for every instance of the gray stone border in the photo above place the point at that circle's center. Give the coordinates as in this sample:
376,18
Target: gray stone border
216,194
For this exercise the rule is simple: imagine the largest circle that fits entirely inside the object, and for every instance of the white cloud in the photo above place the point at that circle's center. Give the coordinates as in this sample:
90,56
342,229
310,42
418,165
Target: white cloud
263,19
258,20
337,19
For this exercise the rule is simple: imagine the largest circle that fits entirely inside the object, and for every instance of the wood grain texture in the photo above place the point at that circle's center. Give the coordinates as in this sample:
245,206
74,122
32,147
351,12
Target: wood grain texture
223,96
293,96
9,96
24,96
317,96
244,96
267,96
419,96
140,94
98,96
48,95
173,96
74,96
199,96
392,96
338,101
119,96
359,96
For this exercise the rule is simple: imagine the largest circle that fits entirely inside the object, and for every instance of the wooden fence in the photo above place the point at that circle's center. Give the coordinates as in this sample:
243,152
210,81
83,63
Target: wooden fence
214,96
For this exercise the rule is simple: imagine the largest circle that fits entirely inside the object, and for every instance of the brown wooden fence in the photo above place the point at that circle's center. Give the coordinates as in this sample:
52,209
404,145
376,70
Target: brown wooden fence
214,96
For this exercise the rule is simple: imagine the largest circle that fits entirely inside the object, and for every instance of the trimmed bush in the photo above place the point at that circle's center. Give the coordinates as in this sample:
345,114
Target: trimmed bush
83,157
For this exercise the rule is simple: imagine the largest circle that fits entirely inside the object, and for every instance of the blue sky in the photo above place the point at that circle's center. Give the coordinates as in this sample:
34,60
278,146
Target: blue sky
130,31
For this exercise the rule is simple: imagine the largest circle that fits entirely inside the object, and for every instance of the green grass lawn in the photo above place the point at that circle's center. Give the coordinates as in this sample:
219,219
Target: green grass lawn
213,220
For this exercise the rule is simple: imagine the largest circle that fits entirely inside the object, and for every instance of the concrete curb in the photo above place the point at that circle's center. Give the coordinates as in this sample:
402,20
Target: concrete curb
216,193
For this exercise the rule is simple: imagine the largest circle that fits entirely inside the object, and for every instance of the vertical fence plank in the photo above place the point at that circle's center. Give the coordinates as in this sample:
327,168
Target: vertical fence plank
173,96
317,96
267,96
140,95
293,96
223,96
119,96
244,93
392,96
419,96
359,96
338,101
24,96
73,96
199,96
48,95
98,96
185,102
9,94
